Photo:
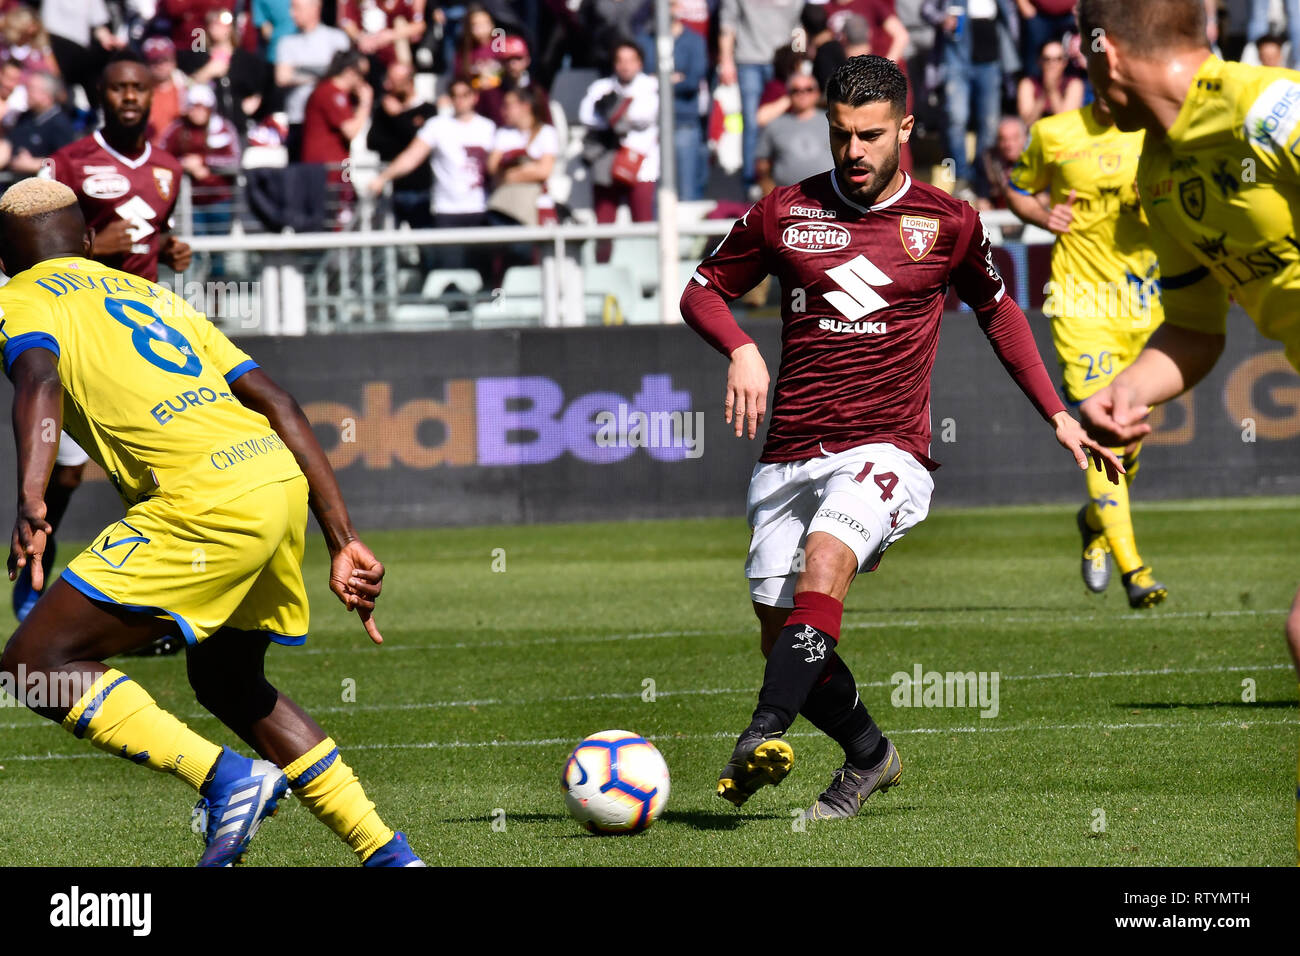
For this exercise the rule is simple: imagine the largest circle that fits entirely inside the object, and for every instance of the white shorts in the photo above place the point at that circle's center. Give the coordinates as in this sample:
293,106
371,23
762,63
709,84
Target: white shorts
866,508
70,453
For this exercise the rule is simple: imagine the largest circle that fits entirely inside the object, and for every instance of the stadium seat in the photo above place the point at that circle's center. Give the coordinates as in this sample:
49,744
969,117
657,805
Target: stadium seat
569,87
609,293
427,315
644,311
519,301
468,281
640,256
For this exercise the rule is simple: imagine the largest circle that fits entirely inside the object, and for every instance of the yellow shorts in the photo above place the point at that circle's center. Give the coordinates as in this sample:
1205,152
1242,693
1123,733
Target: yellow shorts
237,565
1089,362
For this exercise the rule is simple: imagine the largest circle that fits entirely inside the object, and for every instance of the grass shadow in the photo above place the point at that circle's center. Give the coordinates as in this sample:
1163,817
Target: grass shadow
723,820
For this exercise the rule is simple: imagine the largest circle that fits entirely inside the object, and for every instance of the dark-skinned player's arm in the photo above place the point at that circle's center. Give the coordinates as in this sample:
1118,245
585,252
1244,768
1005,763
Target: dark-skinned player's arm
37,420
733,268
1004,324
356,575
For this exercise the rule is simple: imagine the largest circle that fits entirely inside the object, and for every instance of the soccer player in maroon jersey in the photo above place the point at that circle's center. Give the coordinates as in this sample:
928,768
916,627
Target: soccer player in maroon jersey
126,189
865,257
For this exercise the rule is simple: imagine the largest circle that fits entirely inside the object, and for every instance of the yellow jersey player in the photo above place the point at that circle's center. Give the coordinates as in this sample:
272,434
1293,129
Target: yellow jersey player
1102,299
217,467
1220,181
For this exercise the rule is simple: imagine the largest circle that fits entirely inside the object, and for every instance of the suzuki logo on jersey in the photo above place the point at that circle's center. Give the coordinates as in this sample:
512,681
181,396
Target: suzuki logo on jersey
816,236
809,212
918,235
856,328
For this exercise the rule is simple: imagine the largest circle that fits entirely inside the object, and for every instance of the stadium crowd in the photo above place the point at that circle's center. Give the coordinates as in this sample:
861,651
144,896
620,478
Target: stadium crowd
492,111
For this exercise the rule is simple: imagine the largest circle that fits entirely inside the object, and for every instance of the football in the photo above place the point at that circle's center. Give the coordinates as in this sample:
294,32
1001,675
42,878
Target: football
615,781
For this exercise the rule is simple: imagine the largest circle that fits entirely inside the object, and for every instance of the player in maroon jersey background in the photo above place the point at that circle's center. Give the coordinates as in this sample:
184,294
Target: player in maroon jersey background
126,187
865,257
127,191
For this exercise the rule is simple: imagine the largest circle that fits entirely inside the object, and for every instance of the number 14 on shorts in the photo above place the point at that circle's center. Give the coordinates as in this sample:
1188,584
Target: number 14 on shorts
885,481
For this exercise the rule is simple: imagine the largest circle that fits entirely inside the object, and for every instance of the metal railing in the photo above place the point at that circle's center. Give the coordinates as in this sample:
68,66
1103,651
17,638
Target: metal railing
368,275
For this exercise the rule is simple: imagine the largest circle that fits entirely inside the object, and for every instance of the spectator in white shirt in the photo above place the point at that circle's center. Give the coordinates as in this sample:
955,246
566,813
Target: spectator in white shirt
458,145
621,113
523,157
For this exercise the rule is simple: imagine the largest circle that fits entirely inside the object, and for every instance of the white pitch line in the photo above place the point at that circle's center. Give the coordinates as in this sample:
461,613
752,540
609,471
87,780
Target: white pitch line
549,641
708,692
1064,616
727,735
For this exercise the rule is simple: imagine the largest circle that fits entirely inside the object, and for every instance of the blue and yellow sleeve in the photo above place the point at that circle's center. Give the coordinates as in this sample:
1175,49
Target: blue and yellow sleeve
1032,174
20,330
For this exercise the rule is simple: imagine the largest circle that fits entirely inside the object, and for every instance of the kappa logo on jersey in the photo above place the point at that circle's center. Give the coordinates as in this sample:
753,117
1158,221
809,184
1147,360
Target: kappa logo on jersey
808,212
918,234
816,237
811,642
162,178
110,185
1273,116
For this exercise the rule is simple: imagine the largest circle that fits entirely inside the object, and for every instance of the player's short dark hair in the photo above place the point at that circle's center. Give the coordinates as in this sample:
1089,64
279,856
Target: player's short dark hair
868,79
1149,26
124,55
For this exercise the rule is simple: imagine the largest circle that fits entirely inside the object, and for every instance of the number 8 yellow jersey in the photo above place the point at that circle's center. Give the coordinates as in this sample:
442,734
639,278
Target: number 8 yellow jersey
146,382
1221,190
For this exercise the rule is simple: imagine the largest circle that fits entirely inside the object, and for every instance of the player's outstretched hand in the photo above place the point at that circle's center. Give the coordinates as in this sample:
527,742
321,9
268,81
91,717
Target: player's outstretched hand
357,577
31,531
1111,415
747,381
1076,441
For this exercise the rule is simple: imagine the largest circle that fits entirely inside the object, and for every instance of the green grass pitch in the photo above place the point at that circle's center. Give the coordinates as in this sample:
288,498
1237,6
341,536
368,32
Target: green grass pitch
489,677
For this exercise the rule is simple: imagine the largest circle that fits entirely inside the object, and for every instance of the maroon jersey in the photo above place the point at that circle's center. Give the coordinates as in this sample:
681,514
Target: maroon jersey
327,109
110,186
862,295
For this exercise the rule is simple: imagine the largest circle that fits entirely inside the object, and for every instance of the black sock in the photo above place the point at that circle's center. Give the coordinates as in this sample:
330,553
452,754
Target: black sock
835,709
795,663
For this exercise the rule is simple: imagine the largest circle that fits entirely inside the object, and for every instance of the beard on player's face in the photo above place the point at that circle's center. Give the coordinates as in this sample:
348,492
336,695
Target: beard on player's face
114,125
880,170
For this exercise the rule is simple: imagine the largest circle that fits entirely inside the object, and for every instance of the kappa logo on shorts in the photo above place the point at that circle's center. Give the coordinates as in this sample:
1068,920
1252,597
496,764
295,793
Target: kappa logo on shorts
849,520
118,544
811,641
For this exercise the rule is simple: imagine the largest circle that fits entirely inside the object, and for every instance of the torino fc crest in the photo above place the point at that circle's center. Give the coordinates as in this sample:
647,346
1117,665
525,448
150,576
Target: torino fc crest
918,234
162,178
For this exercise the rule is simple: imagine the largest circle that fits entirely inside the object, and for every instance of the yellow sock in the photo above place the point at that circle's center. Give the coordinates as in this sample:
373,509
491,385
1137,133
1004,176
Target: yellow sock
1131,464
119,716
1110,512
332,792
